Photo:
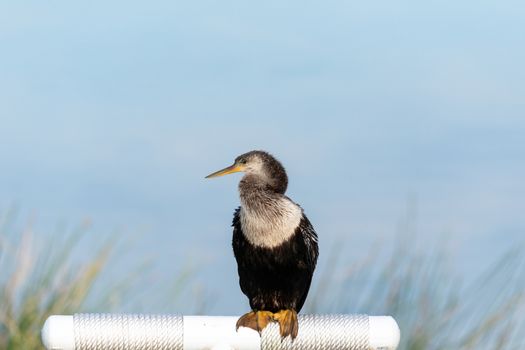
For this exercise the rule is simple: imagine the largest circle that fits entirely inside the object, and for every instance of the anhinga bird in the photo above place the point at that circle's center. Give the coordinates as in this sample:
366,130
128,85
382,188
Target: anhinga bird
273,242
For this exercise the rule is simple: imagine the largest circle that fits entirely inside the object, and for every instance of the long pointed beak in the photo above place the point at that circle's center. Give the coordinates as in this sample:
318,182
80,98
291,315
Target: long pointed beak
229,170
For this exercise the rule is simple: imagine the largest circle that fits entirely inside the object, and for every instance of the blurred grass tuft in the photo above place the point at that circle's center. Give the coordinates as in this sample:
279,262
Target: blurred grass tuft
39,279
434,307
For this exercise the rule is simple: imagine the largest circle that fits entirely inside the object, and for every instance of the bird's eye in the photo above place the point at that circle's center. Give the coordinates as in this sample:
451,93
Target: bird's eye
243,161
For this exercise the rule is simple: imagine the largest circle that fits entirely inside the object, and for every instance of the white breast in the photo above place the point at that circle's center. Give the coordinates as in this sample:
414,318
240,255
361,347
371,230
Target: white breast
269,228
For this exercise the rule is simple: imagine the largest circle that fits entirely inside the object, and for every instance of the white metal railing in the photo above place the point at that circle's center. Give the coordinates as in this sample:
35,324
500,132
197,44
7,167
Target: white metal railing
174,332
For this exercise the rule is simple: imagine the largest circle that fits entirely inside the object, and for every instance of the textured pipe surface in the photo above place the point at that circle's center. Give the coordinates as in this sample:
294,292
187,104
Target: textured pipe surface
326,332
165,332
128,332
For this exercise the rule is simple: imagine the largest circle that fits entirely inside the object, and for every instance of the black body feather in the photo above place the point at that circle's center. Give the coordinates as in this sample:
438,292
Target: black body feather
276,278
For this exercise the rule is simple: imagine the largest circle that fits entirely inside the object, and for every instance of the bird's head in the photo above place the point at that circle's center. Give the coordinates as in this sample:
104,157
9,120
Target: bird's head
262,165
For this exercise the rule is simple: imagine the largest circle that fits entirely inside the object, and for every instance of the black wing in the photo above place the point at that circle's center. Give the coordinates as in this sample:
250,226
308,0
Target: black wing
312,253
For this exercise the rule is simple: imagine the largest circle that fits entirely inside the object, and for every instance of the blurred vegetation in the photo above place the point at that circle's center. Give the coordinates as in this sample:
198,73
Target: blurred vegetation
67,272
433,306
40,278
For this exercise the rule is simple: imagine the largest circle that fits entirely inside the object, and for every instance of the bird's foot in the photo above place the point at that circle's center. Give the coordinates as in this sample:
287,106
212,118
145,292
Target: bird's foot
256,320
288,323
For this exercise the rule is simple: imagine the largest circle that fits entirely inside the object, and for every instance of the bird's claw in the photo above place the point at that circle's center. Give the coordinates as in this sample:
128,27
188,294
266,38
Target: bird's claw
288,323
256,320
